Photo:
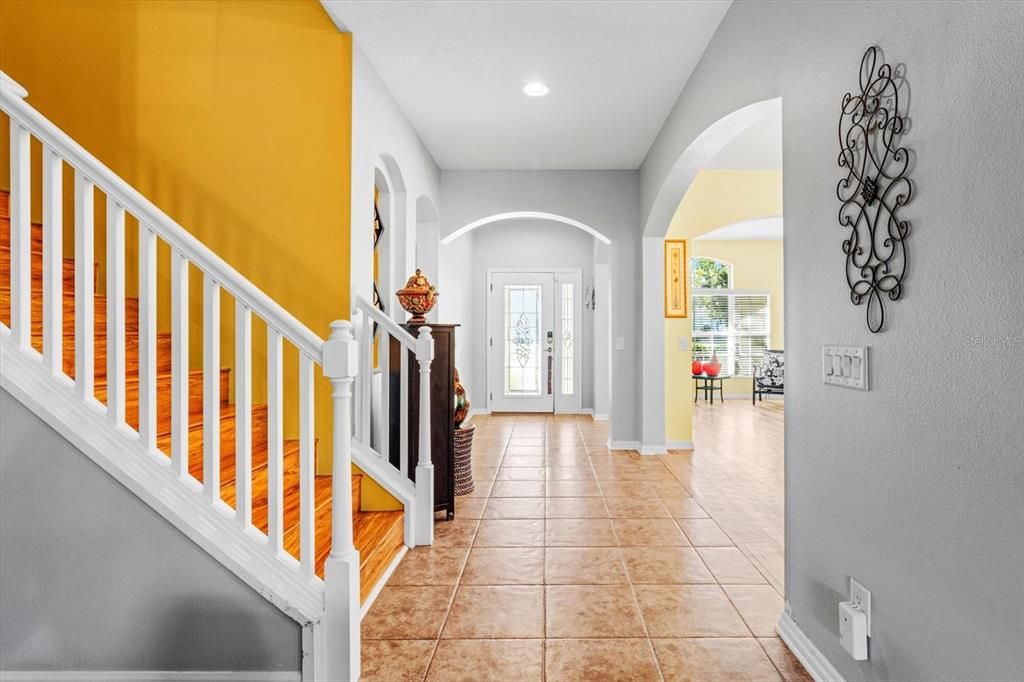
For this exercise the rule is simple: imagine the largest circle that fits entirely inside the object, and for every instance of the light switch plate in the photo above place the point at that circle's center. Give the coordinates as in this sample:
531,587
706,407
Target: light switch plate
620,343
845,366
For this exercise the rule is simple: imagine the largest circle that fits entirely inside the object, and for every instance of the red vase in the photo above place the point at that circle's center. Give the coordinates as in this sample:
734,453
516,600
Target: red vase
713,367
697,367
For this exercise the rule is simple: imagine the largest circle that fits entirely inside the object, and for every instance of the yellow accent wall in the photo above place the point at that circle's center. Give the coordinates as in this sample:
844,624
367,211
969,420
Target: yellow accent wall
717,198
232,116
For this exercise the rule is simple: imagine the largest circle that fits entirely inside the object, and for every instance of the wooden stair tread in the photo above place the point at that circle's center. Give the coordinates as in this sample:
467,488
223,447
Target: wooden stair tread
99,303
67,267
36,232
379,536
322,528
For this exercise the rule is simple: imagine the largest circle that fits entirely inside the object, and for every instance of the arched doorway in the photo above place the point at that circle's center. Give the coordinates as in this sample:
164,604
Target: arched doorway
660,335
569,278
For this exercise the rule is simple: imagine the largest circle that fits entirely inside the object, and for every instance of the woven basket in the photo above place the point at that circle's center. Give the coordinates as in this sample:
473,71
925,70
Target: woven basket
463,460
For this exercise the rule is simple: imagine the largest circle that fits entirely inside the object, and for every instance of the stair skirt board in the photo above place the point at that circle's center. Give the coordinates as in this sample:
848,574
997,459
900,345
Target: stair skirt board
150,676
385,576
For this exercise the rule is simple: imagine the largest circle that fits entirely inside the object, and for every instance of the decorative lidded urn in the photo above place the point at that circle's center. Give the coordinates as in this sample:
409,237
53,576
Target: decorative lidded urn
418,297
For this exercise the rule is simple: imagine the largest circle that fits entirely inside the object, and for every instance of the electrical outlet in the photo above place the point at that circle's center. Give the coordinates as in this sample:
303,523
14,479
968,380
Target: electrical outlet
620,343
860,597
683,345
853,631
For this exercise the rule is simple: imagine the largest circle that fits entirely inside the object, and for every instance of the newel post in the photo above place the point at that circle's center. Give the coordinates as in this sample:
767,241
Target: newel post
424,464
341,571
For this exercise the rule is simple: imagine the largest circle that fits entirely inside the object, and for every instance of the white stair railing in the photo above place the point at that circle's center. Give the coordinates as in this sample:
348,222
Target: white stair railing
383,434
330,608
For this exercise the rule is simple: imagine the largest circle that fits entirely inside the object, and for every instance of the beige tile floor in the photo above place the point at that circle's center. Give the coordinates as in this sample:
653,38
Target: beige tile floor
570,562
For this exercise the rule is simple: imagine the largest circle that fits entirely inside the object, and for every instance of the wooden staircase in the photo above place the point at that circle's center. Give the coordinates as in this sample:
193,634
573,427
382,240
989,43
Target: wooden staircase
378,535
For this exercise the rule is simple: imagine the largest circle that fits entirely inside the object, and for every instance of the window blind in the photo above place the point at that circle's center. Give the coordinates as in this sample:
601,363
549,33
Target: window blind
733,323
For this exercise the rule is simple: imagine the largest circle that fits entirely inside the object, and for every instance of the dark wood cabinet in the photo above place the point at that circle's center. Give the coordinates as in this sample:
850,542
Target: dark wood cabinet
442,408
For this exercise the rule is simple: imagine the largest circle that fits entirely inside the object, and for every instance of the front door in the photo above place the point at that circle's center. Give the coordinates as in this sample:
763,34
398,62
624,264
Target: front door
533,342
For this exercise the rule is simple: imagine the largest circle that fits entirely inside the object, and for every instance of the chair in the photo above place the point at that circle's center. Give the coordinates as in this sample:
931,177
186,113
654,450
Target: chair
769,376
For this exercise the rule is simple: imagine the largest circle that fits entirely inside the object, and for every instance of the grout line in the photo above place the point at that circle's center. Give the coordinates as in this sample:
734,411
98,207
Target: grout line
768,656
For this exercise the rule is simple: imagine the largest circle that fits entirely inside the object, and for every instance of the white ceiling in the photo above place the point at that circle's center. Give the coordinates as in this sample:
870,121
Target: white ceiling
761,229
457,70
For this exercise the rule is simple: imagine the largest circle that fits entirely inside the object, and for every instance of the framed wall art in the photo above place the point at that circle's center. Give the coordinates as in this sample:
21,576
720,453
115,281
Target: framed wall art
677,297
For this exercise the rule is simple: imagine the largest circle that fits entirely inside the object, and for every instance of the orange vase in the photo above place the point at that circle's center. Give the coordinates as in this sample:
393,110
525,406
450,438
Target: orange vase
713,367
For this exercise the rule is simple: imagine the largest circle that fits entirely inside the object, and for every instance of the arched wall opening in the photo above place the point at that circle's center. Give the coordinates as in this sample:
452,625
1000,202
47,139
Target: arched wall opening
756,193
525,215
391,252
527,241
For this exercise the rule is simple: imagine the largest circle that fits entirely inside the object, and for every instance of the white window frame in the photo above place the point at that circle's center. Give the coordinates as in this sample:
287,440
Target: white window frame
731,334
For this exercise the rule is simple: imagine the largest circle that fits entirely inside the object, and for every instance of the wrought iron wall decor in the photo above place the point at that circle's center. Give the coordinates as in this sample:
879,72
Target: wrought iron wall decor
875,189
378,232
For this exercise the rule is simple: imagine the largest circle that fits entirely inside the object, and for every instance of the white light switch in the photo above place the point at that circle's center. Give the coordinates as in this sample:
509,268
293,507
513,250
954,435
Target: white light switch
620,343
845,366
683,345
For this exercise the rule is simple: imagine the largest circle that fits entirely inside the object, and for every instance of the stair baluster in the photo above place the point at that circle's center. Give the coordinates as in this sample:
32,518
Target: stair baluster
84,318
307,468
115,312
211,389
53,263
243,415
275,442
179,364
147,336
21,237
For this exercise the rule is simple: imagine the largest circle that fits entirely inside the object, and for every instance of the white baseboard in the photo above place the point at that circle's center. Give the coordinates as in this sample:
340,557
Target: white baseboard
803,648
623,445
474,411
149,676
600,417
370,598
679,445
653,449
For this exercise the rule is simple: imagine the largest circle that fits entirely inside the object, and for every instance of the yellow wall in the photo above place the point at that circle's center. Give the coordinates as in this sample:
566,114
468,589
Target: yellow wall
234,117
717,198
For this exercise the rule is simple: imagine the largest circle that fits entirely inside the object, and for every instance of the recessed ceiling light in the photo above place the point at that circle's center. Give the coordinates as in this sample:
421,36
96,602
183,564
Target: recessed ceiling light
536,89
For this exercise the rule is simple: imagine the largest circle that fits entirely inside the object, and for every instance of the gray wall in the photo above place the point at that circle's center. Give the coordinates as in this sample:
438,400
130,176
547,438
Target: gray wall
514,244
455,305
607,201
91,578
915,488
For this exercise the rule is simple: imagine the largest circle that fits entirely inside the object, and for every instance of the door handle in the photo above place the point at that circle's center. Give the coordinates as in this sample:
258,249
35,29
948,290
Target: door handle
551,360
551,369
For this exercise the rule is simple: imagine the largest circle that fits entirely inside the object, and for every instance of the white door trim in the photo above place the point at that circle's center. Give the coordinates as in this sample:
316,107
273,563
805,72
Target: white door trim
577,273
